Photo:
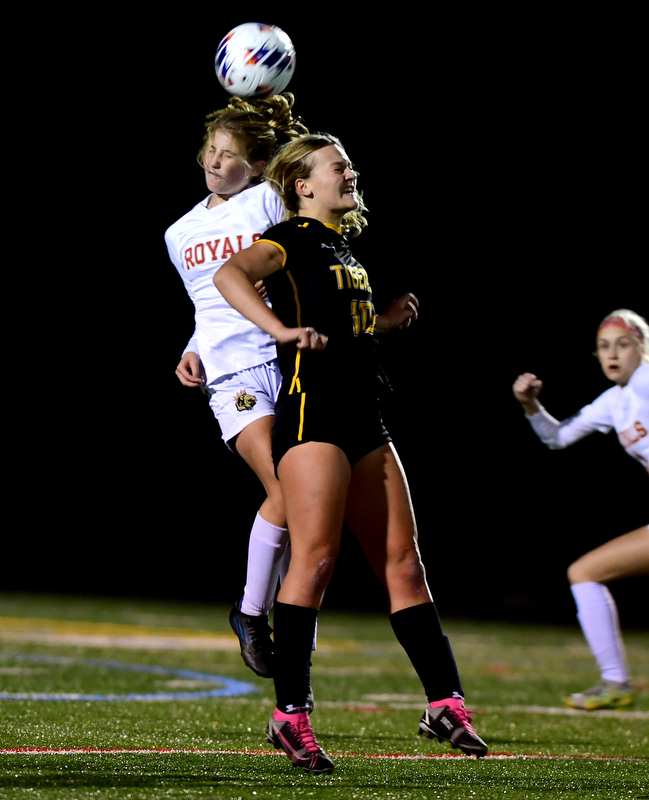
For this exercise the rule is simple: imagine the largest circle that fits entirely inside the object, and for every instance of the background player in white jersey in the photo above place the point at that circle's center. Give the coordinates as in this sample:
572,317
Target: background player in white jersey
228,357
623,352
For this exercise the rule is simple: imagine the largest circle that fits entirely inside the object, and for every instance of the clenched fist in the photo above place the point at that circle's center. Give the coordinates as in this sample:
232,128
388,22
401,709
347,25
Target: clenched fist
527,388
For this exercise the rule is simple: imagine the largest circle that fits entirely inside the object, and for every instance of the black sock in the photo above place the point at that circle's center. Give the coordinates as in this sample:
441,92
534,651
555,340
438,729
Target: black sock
419,632
294,629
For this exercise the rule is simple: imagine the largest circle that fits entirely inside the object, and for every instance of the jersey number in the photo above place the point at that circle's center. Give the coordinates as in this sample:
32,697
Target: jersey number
363,317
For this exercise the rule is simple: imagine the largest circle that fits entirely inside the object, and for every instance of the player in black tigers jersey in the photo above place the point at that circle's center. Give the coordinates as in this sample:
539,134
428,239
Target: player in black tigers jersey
330,395
333,457
321,285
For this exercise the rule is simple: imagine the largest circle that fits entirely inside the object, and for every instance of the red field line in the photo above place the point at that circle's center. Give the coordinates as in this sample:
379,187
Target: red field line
405,756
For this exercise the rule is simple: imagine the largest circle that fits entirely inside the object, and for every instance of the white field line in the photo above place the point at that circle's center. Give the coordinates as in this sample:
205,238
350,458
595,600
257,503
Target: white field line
217,642
136,642
369,704
410,701
399,756
135,637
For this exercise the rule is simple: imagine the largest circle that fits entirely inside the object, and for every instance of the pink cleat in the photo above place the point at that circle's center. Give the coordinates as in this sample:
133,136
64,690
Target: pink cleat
293,734
448,720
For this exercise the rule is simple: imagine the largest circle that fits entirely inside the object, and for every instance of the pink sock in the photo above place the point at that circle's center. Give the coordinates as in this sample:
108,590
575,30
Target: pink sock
597,615
452,702
281,716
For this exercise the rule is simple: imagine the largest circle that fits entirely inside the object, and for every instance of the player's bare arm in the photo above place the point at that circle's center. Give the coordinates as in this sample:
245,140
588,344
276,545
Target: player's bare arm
399,314
527,388
236,281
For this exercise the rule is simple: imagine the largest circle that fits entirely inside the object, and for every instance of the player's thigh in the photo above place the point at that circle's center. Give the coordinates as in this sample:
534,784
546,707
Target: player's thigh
379,509
254,445
623,557
314,479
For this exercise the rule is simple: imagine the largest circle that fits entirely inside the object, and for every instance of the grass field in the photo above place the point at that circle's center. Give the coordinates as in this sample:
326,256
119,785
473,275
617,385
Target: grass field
122,699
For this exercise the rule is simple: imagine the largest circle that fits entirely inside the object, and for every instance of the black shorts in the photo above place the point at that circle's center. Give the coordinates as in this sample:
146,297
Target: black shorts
350,422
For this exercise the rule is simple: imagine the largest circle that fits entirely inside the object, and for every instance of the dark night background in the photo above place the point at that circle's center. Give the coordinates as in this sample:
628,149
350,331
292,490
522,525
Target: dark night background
500,161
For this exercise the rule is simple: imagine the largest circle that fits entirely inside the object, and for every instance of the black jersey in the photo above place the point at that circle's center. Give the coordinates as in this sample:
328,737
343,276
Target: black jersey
322,286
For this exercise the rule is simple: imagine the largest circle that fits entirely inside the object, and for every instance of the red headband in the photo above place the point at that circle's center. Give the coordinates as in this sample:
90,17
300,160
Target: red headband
618,322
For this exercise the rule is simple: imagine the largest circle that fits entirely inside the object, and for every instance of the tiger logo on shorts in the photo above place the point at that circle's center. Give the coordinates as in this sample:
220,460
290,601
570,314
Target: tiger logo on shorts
244,401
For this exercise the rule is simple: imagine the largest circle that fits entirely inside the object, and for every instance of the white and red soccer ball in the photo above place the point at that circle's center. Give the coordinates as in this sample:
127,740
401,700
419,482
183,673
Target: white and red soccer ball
255,60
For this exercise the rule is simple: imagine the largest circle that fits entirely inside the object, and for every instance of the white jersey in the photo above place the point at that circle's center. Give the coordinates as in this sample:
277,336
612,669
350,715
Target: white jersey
624,409
199,244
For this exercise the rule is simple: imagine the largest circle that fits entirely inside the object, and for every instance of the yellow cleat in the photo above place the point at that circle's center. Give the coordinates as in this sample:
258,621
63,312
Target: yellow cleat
607,694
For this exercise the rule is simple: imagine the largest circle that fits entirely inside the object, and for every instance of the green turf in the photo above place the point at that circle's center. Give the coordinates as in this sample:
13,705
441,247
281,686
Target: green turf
368,702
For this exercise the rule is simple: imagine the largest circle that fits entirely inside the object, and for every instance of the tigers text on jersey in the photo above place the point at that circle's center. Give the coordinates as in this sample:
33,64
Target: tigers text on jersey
624,409
321,285
199,243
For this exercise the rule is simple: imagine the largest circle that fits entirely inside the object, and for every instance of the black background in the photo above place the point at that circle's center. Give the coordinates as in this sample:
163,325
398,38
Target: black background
500,161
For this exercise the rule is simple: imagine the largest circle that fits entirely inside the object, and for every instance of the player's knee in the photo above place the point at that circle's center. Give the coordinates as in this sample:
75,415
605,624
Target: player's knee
325,566
272,509
319,573
317,567
407,570
581,571
573,573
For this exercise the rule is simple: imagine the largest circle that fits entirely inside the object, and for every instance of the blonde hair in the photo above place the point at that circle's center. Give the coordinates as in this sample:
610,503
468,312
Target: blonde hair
634,323
292,162
260,126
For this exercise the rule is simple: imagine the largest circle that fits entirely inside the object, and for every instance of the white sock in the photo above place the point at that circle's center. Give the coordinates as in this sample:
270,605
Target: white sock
266,550
597,615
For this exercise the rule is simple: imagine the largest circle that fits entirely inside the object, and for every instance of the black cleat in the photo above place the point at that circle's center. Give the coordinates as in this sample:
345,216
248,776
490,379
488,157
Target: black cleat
448,720
255,642
293,734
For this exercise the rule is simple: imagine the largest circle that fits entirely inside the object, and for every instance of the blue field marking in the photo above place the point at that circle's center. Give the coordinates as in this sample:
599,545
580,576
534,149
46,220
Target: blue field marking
228,687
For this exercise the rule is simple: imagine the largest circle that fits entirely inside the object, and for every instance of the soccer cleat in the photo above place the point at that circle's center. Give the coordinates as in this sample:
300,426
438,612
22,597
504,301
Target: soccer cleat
293,734
254,640
607,694
448,720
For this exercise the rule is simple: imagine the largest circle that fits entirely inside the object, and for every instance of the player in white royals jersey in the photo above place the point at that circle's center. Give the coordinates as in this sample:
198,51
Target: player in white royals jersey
623,352
228,357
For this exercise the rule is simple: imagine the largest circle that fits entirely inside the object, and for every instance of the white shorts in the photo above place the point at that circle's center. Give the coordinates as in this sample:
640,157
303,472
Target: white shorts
243,397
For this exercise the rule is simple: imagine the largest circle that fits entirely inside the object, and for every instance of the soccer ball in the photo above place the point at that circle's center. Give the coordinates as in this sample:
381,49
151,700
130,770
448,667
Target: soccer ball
255,60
